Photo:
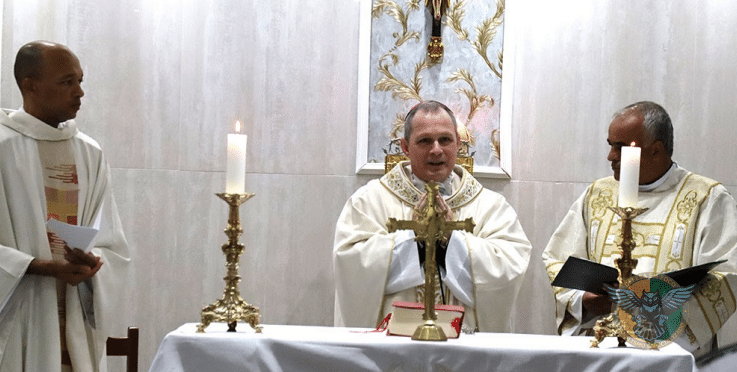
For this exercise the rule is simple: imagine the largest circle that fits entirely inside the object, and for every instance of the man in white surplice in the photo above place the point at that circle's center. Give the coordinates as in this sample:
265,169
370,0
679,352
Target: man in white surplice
55,302
691,220
482,270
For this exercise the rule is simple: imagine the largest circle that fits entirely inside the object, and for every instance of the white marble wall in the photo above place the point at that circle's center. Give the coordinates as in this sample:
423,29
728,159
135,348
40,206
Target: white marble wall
166,79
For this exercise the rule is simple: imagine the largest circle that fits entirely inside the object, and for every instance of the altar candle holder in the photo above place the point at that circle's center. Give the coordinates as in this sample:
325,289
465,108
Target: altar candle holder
231,308
610,326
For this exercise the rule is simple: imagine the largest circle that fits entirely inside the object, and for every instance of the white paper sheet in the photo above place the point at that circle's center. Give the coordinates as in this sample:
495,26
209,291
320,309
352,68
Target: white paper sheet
75,236
81,237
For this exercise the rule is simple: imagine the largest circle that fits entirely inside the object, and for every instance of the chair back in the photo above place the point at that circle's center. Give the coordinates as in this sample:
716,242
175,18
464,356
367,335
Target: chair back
125,346
390,160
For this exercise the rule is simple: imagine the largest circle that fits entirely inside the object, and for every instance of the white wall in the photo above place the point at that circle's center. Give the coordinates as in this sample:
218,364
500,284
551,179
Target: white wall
166,79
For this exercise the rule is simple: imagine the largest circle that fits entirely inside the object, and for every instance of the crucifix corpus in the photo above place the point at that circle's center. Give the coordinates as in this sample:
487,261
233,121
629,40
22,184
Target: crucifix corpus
430,227
437,9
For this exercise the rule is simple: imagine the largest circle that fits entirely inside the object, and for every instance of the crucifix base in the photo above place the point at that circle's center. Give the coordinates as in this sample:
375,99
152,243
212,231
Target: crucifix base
429,332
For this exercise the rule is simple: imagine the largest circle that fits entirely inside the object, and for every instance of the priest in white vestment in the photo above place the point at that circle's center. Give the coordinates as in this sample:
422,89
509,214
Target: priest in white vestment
482,270
56,303
690,220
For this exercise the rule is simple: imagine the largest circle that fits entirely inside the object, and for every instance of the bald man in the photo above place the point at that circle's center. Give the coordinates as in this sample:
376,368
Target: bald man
690,220
52,316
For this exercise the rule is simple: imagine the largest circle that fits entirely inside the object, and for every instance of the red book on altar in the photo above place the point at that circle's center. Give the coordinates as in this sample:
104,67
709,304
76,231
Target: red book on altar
407,316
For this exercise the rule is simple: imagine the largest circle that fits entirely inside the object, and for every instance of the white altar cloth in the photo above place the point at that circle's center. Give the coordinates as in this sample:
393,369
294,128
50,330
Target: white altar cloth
305,348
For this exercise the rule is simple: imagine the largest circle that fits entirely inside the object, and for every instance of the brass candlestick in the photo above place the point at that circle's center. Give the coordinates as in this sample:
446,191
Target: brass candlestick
231,308
610,325
430,227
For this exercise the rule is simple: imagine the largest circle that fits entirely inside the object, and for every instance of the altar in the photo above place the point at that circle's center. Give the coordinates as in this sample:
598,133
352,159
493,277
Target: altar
309,348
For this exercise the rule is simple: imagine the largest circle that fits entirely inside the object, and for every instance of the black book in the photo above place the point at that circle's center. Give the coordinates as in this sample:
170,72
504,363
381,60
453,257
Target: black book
590,276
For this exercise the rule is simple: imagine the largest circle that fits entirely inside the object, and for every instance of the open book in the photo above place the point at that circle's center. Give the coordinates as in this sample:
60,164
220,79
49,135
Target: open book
407,316
590,276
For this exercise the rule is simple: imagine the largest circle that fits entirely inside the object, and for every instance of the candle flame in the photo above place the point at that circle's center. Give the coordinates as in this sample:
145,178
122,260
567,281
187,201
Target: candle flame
633,144
238,126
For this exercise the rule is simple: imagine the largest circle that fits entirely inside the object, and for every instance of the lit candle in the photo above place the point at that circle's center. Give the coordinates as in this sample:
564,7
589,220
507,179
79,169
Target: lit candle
629,176
235,167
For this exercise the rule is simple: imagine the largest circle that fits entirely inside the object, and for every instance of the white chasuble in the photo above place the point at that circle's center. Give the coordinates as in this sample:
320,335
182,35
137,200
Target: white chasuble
690,220
485,268
29,320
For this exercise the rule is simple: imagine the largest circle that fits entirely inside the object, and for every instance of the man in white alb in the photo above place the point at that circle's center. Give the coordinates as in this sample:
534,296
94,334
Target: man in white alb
691,220
482,270
55,302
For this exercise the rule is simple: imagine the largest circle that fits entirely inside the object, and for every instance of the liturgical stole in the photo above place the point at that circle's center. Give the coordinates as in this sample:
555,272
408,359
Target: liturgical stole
62,192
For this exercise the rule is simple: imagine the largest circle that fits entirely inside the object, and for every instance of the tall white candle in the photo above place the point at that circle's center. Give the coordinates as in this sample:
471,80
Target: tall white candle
235,167
629,176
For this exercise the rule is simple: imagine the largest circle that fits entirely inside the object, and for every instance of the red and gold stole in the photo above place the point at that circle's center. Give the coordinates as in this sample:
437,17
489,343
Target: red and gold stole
62,191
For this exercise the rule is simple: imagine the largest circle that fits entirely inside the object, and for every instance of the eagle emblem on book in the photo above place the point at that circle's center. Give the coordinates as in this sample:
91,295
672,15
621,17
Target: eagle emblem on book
650,311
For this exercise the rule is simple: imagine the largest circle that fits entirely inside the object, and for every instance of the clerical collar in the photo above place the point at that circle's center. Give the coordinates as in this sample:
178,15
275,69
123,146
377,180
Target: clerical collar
654,185
445,188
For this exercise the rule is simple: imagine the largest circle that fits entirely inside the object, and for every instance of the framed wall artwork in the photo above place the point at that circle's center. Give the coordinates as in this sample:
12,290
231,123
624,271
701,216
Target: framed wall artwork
399,68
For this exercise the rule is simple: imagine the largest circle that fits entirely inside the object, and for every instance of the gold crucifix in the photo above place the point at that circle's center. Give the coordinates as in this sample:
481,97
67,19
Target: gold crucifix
437,9
430,227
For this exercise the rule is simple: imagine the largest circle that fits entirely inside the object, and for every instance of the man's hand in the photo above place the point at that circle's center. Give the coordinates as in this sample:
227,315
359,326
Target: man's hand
440,205
443,208
78,256
421,205
74,274
78,267
597,304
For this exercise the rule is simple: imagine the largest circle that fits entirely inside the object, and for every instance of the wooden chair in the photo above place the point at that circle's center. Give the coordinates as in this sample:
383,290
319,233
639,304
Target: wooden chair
125,346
